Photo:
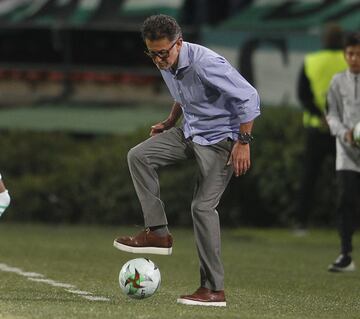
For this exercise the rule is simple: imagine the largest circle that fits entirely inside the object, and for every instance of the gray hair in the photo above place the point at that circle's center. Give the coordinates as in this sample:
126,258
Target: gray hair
160,26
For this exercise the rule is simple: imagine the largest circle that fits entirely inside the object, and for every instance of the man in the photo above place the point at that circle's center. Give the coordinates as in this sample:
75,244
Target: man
4,197
314,80
342,115
218,107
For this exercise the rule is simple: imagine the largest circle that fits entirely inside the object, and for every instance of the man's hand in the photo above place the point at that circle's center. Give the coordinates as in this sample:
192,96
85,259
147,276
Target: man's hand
170,122
161,127
240,158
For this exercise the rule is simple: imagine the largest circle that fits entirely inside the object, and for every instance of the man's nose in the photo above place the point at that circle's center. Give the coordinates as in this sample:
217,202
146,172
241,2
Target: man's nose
157,59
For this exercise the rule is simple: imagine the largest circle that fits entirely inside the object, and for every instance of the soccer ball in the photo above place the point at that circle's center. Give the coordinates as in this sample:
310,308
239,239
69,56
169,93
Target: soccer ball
139,278
356,134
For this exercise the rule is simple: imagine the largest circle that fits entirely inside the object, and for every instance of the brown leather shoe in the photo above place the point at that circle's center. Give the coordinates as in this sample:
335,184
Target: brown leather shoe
146,242
204,297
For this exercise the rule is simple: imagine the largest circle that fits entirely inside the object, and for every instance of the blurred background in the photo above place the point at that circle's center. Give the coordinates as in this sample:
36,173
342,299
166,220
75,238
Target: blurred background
77,92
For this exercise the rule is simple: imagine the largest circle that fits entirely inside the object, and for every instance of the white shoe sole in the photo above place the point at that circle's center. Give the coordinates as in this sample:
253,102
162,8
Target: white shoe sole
351,267
143,250
190,302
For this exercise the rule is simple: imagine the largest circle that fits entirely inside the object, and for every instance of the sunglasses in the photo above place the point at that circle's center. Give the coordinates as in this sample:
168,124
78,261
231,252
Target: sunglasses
162,54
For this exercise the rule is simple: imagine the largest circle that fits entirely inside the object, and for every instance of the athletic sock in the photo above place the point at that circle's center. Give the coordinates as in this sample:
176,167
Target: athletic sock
161,230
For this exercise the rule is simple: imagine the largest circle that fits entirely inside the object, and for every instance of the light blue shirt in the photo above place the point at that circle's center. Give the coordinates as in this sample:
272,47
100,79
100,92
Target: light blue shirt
214,97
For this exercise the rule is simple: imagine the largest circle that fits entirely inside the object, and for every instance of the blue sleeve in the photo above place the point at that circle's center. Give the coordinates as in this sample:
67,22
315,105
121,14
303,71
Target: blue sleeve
238,93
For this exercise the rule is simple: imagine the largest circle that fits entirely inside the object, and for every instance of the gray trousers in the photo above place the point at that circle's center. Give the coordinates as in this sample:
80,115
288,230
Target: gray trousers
214,175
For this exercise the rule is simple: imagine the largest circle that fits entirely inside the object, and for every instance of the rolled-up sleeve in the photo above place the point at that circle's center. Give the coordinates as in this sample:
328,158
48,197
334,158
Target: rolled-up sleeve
239,95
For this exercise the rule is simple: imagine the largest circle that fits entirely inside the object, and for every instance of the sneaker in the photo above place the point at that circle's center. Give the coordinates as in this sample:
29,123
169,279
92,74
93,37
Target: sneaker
204,297
146,242
343,263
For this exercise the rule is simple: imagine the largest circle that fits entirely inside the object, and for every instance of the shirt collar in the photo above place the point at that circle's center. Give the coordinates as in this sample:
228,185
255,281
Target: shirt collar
183,61
351,75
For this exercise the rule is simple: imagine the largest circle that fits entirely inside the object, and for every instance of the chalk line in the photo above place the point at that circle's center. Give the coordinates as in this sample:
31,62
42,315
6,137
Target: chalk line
34,276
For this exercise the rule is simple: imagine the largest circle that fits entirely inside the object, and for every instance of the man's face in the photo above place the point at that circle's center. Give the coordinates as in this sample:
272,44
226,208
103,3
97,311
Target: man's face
163,52
352,57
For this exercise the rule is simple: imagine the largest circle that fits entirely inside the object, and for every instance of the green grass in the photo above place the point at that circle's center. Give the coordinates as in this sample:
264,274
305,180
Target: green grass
269,274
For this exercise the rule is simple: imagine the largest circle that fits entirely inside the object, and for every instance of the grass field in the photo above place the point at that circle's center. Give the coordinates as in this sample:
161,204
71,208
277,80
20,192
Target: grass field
269,274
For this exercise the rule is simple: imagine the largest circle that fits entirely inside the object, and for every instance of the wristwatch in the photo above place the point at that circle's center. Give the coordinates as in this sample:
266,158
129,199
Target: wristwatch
245,138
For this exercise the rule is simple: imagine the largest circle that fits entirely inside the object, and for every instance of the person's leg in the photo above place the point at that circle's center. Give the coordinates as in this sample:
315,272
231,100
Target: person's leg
144,160
214,176
348,198
2,186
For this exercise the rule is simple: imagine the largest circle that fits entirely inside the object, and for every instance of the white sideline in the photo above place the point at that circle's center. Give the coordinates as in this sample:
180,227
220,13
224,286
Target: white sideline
52,282
33,276
6,268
